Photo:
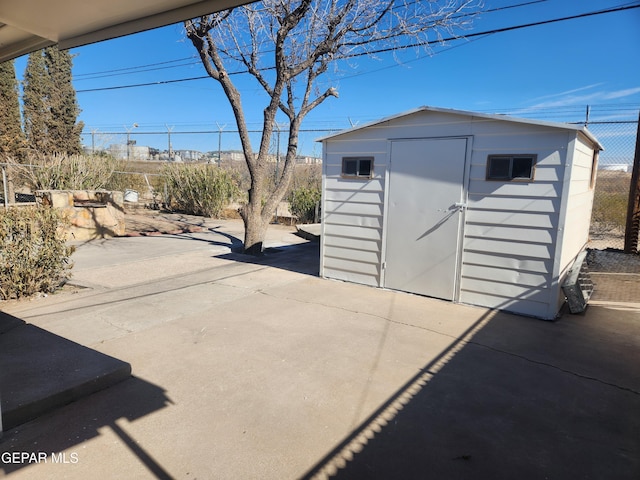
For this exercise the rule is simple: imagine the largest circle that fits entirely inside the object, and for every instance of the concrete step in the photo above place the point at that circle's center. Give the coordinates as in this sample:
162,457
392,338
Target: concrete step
310,231
40,371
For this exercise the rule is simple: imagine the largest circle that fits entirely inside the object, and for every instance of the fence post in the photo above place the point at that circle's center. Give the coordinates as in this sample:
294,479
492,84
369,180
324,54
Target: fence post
632,228
4,188
220,128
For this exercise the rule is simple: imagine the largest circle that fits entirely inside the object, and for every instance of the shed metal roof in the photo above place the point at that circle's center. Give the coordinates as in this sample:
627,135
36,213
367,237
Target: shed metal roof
29,25
488,116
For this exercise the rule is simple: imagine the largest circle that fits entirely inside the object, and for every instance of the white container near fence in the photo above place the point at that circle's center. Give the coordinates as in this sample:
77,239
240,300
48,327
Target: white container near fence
130,196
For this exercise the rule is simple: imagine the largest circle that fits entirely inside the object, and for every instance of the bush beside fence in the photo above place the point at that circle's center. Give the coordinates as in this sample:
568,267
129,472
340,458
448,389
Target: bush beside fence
33,254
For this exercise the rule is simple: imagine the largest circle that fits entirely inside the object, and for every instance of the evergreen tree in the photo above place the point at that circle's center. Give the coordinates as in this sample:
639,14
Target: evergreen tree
35,101
63,129
50,106
11,136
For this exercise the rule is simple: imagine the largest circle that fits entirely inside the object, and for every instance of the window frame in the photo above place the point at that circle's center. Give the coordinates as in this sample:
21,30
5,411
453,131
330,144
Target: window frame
594,168
358,159
511,158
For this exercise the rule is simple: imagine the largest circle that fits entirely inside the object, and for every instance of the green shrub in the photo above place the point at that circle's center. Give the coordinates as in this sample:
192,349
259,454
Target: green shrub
66,172
33,254
199,189
303,202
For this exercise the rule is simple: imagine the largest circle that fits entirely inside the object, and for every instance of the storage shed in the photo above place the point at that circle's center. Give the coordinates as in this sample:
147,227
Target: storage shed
474,208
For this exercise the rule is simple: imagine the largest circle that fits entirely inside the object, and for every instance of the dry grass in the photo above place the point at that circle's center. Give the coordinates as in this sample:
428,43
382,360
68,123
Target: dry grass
610,202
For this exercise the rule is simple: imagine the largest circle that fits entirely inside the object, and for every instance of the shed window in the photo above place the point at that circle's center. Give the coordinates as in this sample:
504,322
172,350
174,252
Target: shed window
357,167
510,167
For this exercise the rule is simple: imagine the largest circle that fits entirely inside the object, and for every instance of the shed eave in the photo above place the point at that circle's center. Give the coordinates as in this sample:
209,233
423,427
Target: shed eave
488,116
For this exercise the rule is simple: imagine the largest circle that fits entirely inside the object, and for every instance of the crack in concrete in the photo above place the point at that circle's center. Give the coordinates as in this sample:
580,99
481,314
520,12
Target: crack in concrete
555,367
140,296
390,320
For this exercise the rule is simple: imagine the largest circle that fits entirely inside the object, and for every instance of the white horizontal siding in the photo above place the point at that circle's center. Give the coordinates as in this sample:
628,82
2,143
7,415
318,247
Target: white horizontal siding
356,148
352,231
581,177
365,268
351,207
510,235
352,211
516,204
507,261
354,220
338,184
579,203
352,277
410,126
512,218
348,253
350,195
505,275
511,227
519,140
518,248
506,290
515,189
522,306
354,243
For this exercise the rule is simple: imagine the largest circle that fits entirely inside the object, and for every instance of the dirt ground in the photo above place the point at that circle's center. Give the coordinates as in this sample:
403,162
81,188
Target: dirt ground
156,222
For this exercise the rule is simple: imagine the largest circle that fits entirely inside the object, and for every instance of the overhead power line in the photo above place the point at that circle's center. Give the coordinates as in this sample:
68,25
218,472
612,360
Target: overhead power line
180,61
389,49
136,67
508,29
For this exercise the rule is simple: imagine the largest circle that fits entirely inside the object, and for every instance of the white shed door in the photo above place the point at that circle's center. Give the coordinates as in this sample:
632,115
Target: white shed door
423,223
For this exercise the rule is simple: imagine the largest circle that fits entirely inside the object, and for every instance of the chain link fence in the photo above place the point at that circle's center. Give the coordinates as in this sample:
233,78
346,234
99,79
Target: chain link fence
212,146
614,127
613,182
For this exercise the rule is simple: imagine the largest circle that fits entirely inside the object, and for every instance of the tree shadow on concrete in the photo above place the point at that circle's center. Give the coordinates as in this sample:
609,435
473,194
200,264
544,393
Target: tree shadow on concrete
57,394
300,258
511,398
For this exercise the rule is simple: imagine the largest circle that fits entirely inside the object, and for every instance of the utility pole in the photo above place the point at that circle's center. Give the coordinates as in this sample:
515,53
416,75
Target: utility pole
129,129
632,228
93,140
169,129
588,113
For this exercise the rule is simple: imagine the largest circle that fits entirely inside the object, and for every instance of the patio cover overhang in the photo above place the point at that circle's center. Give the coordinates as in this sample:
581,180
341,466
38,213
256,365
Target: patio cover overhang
28,25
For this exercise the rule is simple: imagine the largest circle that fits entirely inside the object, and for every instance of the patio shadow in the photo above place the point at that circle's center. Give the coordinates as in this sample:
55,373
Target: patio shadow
512,398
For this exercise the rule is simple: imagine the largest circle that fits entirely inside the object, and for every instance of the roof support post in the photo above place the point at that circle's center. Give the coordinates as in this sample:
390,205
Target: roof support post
632,228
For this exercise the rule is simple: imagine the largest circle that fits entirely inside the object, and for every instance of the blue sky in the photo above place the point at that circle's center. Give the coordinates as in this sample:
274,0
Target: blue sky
549,71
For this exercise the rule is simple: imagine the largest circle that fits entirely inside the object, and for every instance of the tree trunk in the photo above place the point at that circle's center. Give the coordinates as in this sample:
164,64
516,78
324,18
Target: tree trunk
10,187
255,228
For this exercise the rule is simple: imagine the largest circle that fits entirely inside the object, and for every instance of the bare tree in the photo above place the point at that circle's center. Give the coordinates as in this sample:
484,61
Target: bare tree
286,45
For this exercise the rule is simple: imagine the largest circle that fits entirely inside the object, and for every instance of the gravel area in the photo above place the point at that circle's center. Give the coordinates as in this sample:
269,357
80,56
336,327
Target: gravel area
616,276
613,261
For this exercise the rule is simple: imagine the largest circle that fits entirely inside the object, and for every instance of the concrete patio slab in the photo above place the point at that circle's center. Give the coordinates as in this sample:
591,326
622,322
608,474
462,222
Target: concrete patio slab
40,371
257,368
